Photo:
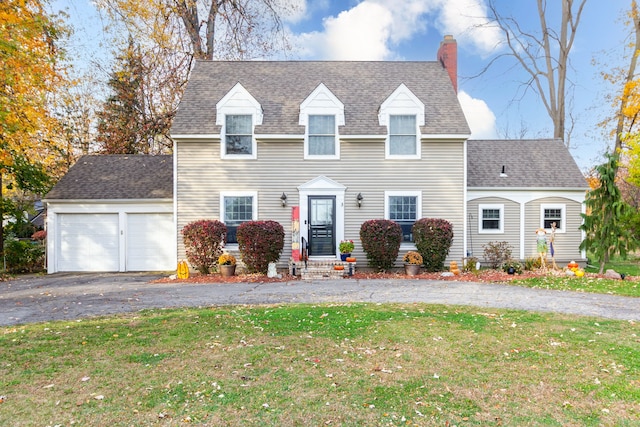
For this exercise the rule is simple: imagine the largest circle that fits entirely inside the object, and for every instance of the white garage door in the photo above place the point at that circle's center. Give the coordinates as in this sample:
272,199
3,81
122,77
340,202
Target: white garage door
88,242
150,242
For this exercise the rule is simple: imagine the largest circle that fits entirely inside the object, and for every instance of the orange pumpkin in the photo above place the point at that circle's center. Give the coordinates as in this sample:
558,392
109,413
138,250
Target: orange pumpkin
351,259
572,265
338,267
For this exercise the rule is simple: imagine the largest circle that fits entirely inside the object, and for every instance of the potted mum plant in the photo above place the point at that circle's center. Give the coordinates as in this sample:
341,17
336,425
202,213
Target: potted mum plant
346,247
412,262
227,265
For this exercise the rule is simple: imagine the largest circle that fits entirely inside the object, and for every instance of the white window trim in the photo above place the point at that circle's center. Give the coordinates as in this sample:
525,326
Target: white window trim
411,193
254,205
336,141
223,142
500,230
402,102
321,102
563,216
238,101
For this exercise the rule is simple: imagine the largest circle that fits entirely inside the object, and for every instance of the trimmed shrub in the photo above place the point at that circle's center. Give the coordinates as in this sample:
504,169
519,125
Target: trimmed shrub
381,242
433,238
497,253
203,242
260,242
23,256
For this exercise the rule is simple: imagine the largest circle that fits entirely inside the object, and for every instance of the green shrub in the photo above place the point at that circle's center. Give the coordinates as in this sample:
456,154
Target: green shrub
497,253
433,238
512,263
381,242
203,242
23,256
260,242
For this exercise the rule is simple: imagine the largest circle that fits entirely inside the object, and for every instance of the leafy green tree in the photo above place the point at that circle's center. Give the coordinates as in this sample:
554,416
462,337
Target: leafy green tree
607,216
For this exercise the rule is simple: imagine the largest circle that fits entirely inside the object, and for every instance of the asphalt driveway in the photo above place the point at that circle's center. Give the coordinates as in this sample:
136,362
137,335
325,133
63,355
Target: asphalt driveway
72,296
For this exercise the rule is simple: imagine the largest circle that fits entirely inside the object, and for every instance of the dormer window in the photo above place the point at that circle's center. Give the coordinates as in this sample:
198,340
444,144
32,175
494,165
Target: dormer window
322,135
403,140
238,112
238,135
403,114
321,113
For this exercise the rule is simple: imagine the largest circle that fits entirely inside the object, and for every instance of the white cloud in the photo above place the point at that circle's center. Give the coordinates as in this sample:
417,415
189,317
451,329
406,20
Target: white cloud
468,21
360,33
369,30
481,119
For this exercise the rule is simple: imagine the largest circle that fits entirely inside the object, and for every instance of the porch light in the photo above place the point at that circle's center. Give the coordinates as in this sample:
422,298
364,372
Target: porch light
283,199
503,174
359,199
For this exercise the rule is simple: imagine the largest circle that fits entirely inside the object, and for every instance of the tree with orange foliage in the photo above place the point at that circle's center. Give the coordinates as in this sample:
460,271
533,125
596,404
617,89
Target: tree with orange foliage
30,73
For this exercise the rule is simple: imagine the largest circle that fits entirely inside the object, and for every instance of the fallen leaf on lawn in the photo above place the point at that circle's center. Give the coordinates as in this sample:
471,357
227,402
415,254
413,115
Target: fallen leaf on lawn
99,397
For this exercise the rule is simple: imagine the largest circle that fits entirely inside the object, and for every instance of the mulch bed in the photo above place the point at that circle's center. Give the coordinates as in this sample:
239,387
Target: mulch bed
486,276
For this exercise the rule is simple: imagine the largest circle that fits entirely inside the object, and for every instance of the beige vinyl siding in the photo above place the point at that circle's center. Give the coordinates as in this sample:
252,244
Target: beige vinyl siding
511,226
362,168
566,244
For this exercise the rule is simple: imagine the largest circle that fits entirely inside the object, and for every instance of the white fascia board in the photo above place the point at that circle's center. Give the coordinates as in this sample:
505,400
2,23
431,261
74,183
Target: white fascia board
264,137
441,136
195,136
525,195
363,137
94,202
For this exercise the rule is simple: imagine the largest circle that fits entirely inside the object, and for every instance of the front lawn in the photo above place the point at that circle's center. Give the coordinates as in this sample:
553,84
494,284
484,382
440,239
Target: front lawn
322,365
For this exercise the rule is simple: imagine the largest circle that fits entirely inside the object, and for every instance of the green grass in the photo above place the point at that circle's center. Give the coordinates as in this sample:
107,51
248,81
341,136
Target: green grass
582,284
628,287
346,365
629,266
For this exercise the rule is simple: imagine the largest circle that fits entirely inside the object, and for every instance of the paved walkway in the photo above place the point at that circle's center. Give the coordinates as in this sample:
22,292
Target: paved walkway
72,296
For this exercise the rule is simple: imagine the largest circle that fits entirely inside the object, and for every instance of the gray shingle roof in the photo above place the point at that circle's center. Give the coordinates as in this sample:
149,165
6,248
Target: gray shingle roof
114,177
281,86
536,163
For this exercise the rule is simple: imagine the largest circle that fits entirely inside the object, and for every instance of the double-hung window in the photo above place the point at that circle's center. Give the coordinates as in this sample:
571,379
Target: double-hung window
405,209
552,213
322,135
236,209
491,218
238,134
403,139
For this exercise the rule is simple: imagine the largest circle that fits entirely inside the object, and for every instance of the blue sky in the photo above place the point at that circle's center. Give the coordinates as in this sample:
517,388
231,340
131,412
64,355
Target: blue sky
495,103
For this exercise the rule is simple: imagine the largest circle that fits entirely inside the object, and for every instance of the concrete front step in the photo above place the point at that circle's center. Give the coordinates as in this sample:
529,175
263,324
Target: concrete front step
321,269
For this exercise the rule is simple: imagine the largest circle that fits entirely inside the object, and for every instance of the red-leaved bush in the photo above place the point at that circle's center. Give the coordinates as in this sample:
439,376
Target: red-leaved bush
260,242
433,238
381,241
203,242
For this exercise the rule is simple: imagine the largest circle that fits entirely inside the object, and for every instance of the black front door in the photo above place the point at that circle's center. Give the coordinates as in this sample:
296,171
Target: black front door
322,225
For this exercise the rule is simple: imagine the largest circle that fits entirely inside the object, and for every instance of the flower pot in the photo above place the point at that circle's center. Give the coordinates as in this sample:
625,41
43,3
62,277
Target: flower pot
343,257
227,270
411,269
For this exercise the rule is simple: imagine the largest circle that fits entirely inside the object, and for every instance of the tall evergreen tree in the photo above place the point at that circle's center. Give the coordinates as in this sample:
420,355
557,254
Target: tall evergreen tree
605,220
126,124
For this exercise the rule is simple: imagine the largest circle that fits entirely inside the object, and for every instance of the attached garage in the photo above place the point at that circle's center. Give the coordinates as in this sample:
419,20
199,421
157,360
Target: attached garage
112,213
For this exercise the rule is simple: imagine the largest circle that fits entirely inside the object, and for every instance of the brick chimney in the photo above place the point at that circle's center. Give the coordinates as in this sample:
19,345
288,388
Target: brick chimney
448,57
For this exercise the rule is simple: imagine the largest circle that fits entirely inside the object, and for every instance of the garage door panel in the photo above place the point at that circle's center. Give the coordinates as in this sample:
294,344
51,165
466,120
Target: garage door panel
88,242
150,242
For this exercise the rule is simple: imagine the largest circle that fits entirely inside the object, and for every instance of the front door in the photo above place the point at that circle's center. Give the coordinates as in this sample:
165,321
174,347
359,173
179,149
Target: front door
322,225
